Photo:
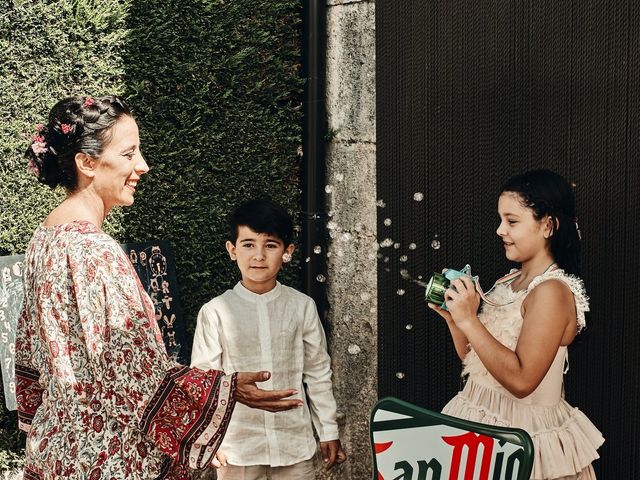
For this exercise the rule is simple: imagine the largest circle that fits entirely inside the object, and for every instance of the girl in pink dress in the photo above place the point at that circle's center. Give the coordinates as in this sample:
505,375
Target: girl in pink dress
514,352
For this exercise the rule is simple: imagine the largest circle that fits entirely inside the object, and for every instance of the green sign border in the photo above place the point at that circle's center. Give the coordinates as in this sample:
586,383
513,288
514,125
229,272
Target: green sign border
424,417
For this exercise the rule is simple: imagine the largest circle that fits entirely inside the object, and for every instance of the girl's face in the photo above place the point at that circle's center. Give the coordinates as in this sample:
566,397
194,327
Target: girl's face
523,236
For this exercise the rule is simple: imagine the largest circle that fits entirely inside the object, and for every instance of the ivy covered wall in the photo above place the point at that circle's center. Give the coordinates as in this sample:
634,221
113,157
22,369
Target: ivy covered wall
216,88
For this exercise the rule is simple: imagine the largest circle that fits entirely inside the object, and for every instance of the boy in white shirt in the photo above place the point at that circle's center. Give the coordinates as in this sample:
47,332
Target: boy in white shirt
264,325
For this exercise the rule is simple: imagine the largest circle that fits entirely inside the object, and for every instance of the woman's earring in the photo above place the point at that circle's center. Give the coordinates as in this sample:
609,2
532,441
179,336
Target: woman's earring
286,257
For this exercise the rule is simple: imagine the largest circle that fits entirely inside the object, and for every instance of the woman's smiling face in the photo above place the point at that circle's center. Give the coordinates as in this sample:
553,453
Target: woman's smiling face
120,165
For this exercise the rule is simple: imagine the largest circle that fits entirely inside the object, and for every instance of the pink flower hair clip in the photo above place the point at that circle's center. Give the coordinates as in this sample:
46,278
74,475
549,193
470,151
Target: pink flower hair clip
66,128
88,102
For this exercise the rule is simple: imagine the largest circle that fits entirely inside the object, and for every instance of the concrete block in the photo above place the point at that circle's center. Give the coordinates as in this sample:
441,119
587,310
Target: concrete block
351,68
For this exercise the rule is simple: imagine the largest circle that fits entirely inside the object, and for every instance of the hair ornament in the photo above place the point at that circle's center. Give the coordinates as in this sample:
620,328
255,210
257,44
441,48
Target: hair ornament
39,147
88,102
66,128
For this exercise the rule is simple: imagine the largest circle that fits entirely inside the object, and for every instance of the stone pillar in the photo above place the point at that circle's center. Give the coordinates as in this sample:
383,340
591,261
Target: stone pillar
351,202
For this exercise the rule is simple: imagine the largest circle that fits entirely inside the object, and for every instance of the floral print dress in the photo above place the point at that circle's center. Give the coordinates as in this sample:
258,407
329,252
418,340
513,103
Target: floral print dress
97,394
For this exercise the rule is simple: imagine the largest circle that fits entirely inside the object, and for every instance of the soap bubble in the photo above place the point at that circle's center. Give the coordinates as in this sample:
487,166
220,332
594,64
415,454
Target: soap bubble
400,375
321,278
400,291
435,244
328,188
317,249
387,221
412,246
418,196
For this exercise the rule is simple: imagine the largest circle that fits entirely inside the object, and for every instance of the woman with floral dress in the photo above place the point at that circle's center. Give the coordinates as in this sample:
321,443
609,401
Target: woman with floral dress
97,394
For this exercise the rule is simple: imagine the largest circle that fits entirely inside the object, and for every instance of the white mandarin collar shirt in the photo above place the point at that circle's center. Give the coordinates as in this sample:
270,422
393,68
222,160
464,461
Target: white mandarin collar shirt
278,331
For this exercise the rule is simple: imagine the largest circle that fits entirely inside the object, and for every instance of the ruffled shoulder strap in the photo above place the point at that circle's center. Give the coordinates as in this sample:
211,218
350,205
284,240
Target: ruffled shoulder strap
576,286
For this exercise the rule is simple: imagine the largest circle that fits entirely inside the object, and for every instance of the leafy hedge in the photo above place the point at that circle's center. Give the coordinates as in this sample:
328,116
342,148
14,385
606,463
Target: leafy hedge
216,88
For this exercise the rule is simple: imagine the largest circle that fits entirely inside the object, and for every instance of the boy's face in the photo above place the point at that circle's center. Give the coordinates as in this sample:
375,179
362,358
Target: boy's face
259,257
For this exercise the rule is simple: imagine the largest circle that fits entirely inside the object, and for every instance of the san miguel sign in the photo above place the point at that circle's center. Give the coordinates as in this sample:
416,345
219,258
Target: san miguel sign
411,443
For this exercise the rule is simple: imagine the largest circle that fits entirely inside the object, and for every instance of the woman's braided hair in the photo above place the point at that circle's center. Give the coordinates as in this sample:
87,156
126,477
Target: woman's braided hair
75,125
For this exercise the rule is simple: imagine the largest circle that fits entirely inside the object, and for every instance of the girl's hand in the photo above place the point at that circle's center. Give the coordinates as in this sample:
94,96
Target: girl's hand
463,301
440,311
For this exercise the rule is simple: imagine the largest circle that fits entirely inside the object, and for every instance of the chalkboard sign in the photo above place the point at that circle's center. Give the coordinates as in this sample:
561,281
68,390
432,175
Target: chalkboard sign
11,296
153,261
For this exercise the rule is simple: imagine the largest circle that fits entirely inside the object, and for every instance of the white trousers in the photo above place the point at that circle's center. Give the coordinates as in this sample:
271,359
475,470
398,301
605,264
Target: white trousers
304,470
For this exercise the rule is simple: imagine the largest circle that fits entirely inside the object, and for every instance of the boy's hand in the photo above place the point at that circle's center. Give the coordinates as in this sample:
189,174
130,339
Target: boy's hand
219,460
248,393
332,453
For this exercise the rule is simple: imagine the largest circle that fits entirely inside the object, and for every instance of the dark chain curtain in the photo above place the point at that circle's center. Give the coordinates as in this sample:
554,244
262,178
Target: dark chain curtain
469,93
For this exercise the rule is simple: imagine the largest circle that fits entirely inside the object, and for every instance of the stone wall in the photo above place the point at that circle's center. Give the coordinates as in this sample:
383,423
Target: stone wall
351,202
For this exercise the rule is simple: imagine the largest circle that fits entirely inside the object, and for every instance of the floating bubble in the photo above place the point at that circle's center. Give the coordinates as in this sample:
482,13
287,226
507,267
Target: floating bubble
328,188
400,375
404,273
418,196
387,242
396,246
307,259
412,246
346,236
387,221
331,225
400,291
409,326
386,260
321,278
317,249
339,177
403,258
435,244
419,277
381,204
353,349
330,213
329,254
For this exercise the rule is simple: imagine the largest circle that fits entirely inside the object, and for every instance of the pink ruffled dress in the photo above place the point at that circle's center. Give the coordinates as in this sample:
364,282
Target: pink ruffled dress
564,439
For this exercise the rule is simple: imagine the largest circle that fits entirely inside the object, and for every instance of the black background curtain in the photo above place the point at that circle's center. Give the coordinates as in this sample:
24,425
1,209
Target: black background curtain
468,94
